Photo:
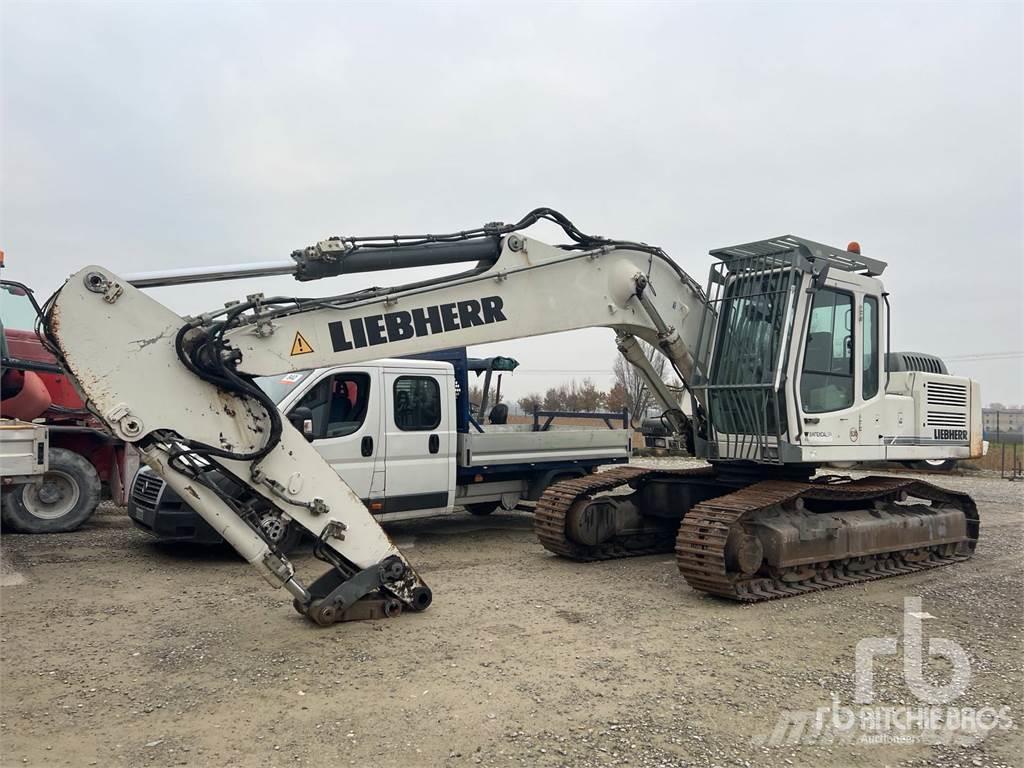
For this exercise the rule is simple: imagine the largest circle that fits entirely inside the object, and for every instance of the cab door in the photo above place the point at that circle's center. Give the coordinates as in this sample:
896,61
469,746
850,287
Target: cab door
872,383
347,413
828,377
419,435
841,387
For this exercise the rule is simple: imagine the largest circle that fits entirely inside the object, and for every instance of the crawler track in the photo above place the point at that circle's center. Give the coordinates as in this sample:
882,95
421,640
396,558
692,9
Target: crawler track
701,538
553,506
700,545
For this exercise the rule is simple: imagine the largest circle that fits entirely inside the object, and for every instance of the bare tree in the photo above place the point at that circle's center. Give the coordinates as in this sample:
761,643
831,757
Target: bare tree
476,394
584,396
615,400
554,399
530,402
635,392
574,396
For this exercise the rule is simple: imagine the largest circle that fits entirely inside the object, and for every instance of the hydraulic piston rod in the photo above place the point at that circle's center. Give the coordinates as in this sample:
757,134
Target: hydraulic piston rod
162,277
330,258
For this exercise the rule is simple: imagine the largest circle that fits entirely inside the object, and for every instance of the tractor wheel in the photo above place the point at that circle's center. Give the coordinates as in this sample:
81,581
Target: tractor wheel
67,496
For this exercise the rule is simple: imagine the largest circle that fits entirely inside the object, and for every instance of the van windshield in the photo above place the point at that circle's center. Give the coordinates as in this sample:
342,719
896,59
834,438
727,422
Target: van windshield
279,386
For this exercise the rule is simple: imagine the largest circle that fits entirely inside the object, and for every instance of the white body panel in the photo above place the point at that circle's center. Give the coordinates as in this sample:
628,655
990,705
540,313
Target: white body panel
517,444
24,449
421,459
937,415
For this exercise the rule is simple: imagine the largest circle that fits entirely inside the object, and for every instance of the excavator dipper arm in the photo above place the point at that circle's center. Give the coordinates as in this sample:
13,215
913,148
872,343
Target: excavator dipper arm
181,389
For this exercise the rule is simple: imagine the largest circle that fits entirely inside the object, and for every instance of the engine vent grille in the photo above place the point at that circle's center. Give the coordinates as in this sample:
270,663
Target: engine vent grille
914,361
948,395
946,419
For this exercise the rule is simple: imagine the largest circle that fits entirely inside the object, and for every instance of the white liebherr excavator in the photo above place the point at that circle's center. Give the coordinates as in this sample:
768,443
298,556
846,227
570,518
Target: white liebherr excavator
784,360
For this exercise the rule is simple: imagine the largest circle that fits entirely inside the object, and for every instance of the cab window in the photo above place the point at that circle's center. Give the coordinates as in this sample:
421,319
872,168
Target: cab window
16,310
826,383
338,403
870,361
417,403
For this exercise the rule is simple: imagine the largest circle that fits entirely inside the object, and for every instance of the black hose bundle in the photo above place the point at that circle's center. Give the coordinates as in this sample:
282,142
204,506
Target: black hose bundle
207,355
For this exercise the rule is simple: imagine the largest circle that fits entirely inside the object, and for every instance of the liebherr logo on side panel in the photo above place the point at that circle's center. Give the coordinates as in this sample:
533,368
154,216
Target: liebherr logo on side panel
950,434
400,325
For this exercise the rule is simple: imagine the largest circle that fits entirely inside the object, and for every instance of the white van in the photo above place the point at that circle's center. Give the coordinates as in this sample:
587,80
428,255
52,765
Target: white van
404,436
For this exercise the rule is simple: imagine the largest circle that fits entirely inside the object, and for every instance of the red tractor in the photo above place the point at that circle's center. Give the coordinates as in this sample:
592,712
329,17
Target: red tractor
86,464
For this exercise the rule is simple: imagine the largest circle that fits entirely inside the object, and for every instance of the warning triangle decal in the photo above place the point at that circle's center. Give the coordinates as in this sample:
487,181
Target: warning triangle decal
300,346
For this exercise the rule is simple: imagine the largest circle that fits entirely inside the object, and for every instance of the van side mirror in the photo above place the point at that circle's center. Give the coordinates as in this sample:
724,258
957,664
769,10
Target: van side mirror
301,418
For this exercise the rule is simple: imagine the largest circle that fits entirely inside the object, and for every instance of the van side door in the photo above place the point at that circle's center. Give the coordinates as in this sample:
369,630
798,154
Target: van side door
419,429
347,413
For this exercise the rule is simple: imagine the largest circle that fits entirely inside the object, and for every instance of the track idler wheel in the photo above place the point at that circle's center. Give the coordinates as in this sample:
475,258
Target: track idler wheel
743,552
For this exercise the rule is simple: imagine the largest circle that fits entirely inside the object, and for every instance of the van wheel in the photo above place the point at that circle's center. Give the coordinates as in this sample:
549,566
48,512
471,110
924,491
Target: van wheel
66,498
483,508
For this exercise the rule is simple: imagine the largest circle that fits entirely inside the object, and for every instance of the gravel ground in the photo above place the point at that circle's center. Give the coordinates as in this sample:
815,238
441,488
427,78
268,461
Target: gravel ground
119,652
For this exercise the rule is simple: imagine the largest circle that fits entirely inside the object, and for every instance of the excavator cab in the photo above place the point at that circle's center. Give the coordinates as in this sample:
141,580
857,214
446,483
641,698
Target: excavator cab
791,368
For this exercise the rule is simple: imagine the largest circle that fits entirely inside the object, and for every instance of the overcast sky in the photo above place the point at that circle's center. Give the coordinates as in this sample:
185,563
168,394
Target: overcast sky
145,136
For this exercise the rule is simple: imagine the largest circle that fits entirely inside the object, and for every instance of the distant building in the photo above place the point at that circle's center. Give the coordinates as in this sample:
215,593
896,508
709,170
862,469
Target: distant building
1006,419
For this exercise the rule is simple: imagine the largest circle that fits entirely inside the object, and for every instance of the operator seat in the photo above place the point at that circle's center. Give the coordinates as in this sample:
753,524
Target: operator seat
341,406
498,414
818,357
